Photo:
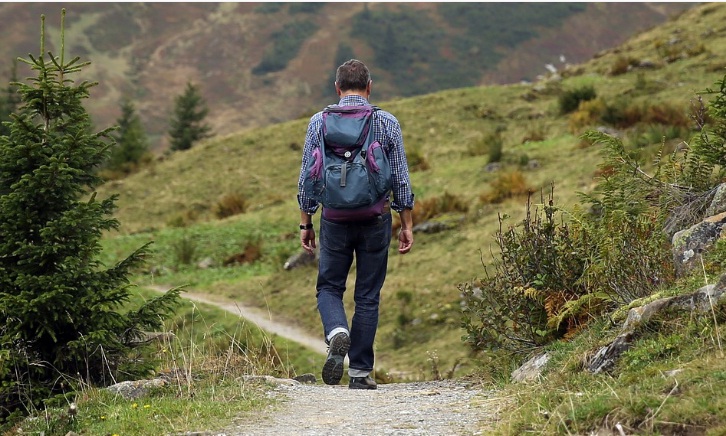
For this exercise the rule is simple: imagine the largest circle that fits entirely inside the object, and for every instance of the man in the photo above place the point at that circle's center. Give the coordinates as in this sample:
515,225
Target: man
367,240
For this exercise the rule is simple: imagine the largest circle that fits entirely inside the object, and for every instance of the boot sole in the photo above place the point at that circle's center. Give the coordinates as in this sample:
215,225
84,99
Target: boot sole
333,368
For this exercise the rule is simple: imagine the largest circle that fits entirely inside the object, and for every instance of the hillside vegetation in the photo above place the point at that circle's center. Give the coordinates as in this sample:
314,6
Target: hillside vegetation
263,63
178,203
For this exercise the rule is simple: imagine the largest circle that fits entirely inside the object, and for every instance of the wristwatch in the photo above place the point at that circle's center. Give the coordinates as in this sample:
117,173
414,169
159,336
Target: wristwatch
307,226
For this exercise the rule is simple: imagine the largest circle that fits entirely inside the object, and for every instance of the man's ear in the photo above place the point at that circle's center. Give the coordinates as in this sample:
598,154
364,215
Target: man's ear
337,88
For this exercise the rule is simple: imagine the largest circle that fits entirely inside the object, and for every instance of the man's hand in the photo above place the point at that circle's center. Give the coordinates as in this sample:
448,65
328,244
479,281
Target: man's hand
405,241
307,239
405,235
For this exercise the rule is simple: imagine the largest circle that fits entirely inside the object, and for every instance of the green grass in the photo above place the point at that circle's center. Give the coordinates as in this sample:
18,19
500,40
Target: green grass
214,404
217,348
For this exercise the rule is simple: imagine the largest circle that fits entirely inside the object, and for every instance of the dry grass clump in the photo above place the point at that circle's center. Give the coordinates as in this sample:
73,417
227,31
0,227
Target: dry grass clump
509,184
588,113
429,208
622,65
229,205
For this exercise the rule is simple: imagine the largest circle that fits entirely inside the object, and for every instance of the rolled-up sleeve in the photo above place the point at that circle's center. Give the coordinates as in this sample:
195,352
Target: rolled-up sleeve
403,197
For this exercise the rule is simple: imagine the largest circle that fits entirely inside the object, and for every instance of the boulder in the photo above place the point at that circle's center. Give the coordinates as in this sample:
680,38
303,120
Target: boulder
689,243
531,370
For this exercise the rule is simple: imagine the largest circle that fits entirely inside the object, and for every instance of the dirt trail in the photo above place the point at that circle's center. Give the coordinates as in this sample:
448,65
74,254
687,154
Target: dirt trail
263,319
440,408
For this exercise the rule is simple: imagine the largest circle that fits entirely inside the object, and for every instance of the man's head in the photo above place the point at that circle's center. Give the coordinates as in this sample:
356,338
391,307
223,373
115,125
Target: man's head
354,76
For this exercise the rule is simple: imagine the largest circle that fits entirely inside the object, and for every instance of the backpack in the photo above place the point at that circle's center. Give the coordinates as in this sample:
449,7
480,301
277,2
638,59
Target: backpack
349,174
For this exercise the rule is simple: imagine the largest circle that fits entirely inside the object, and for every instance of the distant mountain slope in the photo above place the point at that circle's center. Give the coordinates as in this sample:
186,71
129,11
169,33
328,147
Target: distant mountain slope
263,63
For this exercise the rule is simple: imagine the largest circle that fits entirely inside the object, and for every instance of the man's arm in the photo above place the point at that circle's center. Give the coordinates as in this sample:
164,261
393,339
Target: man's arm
307,205
405,235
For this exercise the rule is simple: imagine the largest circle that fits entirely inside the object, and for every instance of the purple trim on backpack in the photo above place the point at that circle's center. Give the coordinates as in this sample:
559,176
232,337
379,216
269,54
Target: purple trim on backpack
354,215
316,172
371,159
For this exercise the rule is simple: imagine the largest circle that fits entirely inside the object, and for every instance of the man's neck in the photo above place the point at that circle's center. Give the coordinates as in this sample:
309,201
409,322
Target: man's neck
362,94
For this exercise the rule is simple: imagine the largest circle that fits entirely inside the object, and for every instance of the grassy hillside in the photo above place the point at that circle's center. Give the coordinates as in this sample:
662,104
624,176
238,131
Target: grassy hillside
174,202
264,63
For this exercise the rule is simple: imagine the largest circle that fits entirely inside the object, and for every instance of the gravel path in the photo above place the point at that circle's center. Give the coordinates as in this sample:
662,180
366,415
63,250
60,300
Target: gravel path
441,408
419,408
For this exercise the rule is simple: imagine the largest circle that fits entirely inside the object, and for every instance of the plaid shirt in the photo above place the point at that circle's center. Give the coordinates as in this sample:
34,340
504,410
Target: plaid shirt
387,131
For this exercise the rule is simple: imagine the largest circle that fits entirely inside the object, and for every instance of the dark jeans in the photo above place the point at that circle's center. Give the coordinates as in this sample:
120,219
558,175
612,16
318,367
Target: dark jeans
369,243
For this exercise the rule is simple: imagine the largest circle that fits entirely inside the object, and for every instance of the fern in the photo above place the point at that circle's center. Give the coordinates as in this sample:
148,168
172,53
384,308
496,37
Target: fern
572,309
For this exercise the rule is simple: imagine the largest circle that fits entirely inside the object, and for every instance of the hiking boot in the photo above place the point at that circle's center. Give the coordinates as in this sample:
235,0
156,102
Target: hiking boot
362,383
333,368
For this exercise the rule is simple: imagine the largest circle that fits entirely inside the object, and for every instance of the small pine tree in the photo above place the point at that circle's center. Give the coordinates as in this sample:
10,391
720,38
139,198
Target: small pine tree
187,124
132,145
61,314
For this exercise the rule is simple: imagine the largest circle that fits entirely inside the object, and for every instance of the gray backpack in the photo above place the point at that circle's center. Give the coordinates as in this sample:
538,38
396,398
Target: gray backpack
350,174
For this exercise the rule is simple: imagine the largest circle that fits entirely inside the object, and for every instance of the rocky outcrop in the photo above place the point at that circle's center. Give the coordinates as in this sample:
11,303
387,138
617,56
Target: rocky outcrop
531,370
688,244
700,301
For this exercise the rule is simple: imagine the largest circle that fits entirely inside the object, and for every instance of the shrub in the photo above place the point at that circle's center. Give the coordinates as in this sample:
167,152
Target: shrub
252,252
491,145
183,219
184,250
623,113
622,65
570,100
433,207
507,185
229,205
588,113
667,114
538,271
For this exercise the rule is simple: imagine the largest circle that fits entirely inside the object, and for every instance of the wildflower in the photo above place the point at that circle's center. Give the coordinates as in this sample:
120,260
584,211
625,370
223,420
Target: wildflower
146,406
133,406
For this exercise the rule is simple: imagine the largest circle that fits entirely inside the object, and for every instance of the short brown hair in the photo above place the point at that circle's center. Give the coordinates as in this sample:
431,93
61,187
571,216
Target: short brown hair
353,75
